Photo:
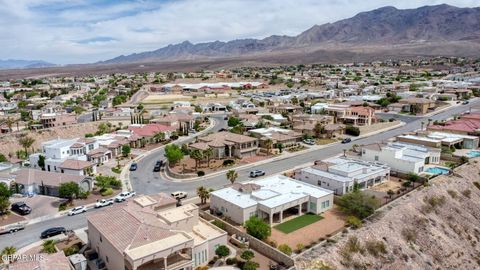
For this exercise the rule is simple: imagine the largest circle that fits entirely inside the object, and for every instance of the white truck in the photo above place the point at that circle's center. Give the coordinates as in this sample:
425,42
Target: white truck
103,202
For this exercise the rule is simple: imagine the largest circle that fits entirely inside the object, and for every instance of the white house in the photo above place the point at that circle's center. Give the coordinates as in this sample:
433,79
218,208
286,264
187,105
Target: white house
339,174
270,198
401,157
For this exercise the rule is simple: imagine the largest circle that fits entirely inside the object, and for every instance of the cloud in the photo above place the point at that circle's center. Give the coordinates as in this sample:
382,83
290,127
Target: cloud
82,31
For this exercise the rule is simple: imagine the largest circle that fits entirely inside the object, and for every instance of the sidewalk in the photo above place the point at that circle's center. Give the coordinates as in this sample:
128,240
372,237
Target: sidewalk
285,155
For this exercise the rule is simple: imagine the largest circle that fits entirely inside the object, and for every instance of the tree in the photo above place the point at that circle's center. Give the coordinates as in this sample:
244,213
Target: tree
48,246
158,137
69,190
7,251
4,190
197,155
351,130
413,177
280,147
294,100
126,150
232,175
4,205
26,142
41,162
173,153
249,265
9,122
222,251
319,129
3,158
203,194
358,204
208,153
198,109
258,228
233,121
247,255
390,193
105,182
268,145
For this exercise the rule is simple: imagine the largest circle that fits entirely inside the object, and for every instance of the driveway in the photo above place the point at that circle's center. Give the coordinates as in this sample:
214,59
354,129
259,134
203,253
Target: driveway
41,205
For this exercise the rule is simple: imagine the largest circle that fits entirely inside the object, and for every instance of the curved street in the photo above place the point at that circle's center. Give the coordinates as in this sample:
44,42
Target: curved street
146,181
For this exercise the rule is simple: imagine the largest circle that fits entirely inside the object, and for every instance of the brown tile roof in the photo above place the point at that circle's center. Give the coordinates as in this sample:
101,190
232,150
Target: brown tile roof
55,261
227,137
74,164
31,176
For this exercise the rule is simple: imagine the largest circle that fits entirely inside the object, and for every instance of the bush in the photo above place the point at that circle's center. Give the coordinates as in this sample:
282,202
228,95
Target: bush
250,265
376,248
354,222
62,207
358,204
222,251
228,162
107,192
84,195
433,202
467,193
353,245
219,224
71,250
351,130
285,249
116,170
258,228
247,255
200,173
231,261
409,234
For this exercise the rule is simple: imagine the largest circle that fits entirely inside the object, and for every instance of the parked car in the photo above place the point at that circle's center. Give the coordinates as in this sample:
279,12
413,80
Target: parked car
124,195
465,102
103,202
309,141
257,173
133,167
77,210
346,140
52,232
158,166
12,228
21,208
179,195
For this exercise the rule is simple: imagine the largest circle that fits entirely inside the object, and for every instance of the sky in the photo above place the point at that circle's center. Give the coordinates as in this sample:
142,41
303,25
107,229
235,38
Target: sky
86,31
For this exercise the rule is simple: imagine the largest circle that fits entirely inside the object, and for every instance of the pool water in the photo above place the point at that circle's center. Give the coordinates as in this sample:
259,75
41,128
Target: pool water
437,170
473,154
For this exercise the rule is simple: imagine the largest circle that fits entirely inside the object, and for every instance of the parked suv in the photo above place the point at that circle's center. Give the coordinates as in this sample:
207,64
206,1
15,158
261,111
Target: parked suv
21,208
257,173
133,167
124,195
77,210
179,195
158,166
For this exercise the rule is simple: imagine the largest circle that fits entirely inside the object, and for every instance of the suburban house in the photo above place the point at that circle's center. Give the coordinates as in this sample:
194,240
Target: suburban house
227,145
285,109
468,124
348,114
401,157
271,198
33,181
277,135
339,174
181,122
148,131
55,119
150,232
439,139
412,105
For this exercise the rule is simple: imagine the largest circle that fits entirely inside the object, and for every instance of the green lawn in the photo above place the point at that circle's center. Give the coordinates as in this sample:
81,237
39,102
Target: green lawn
298,223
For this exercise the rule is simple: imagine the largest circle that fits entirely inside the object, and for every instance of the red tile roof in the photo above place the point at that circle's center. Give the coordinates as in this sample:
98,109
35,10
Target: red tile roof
74,164
149,130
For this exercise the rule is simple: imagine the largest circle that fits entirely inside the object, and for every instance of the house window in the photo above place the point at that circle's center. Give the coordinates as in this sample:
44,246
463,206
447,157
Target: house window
327,203
106,257
101,240
319,183
376,158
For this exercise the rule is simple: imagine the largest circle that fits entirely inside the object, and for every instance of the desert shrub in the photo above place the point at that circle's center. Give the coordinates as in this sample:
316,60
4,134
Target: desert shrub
452,193
358,204
200,173
228,162
231,261
107,192
409,234
285,249
351,130
376,248
83,195
71,250
300,248
354,222
433,202
467,193
353,245
477,184
62,207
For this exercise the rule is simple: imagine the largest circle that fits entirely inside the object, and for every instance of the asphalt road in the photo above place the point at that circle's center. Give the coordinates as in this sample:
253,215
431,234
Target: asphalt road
145,181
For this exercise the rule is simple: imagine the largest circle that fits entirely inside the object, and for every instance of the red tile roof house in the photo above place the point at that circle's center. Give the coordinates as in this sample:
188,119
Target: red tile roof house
147,132
33,181
226,144
467,125
150,232
181,122
77,167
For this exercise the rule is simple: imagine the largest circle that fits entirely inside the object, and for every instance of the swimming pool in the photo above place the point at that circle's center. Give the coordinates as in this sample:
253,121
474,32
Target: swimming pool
437,170
473,154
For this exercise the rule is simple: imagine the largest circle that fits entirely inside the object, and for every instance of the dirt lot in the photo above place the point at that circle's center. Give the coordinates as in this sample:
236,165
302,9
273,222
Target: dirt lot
333,221
392,184
215,164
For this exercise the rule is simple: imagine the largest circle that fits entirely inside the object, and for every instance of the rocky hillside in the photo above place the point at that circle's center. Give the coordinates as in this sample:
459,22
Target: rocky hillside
384,26
436,227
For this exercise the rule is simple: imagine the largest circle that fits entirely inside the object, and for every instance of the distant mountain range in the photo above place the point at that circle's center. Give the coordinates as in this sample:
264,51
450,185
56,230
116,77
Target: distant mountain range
387,26
12,64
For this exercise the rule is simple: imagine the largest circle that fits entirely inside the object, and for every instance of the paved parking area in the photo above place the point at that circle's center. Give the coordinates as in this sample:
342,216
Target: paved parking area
41,205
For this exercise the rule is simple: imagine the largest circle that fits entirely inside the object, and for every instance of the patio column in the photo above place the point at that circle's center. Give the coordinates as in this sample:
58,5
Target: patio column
281,216
165,262
270,217
299,209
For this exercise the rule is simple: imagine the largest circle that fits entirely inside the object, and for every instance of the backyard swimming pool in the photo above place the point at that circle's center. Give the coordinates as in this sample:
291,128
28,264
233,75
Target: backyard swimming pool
473,154
437,170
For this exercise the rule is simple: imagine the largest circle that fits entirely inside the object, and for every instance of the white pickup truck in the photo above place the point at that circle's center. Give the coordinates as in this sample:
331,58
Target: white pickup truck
103,202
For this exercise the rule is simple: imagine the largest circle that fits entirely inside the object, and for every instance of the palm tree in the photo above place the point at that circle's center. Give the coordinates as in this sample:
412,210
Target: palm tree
429,122
197,155
26,142
10,250
232,175
268,145
208,153
48,246
9,122
160,136
203,194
